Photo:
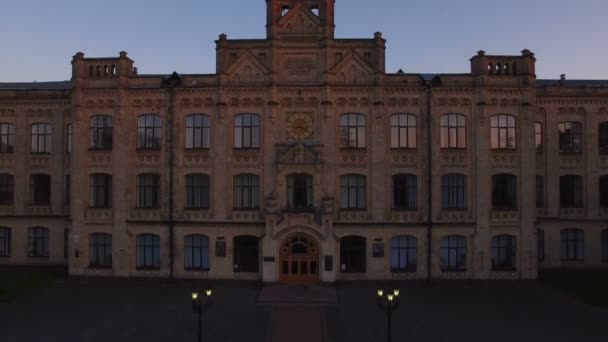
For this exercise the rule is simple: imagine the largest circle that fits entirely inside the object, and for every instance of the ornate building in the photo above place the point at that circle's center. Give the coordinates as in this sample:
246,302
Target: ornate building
302,160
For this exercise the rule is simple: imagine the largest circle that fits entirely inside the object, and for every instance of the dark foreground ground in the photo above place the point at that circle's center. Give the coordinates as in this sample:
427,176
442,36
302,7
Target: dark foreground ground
76,309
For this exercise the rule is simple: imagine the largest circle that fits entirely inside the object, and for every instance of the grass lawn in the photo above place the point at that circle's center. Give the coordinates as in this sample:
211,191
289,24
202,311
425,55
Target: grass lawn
588,286
15,283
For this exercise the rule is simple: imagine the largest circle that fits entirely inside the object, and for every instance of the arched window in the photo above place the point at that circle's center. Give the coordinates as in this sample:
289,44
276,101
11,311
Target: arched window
405,192
149,132
7,138
603,137
6,189
571,191
504,192
148,252
403,254
538,131
42,134
40,189
100,190
453,131
246,191
570,137
352,130
100,132
502,129
573,245
300,194
197,191
246,254
604,245
540,241
5,242
604,191
453,253
100,250
403,131
196,252
148,191
504,252
453,191
247,131
353,251
38,242
198,132
353,192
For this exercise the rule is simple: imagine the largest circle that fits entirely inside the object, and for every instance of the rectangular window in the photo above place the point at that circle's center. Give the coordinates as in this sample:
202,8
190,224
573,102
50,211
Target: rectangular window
571,191
540,192
603,137
453,131
570,137
247,131
453,192
41,138
246,192
38,241
100,191
149,132
196,252
6,189
100,134
502,131
353,190
69,134
405,192
5,242
100,250
352,131
197,191
504,192
7,138
40,189
538,129
148,191
540,244
198,131
148,252
572,245
67,190
604,191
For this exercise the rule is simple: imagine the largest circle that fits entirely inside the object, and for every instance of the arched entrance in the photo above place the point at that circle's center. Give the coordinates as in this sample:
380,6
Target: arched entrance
299,260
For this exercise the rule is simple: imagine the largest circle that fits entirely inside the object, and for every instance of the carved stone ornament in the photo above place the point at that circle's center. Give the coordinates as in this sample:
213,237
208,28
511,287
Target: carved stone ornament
271,206
327,205
299,153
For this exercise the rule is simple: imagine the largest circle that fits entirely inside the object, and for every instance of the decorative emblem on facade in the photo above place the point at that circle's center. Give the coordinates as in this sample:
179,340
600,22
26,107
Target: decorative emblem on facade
572,162
453,159
299,153
405,159
299,126
505,159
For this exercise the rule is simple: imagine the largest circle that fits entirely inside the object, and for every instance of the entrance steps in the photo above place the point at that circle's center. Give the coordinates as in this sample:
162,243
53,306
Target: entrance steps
297,295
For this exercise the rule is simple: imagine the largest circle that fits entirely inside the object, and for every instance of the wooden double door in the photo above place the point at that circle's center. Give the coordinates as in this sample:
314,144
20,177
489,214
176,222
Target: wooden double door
299,261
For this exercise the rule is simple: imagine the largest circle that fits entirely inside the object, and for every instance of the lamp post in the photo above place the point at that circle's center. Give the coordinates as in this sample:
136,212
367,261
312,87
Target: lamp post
199,302
388,301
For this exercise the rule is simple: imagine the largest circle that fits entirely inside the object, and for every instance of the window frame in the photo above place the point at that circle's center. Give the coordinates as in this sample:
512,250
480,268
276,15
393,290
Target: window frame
572,245
603,191
101,132
359,127
202,244
152,132
451,184
293,187
358,189
5,242
458,129
204,131
460,248
241,128
602,137
506,129
357,250
197,191
248,192
539,137
571,136
507,201
38,242
403,129
540,245
144,189
243,264
36,192
406,245
540,192
405,191
100,250
100,193
604,238
69,137
504,253
148,242
577,185
7,189
7,138
44,139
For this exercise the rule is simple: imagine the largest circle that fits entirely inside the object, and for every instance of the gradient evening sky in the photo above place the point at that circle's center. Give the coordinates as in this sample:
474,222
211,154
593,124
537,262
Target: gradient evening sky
39,37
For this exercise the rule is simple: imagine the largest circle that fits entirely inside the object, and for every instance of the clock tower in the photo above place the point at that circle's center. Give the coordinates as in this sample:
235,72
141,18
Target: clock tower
300,19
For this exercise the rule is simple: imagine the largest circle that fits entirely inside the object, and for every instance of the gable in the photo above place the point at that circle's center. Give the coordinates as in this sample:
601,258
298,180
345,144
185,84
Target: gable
247,68
300,23
352,69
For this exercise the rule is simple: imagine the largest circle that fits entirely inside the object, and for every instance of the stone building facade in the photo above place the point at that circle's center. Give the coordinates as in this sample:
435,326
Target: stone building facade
302,160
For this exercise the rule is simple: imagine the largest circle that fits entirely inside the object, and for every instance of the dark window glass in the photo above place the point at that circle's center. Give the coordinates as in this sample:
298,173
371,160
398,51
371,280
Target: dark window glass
604,245
40,189
570,137
504,192
5,242
453,253
149,132
352,131
538,130
7,138
540,244
453,192
571,191
7,186
148,191
504,252
100,250
573,245
603,137
604,191
69,135
148,251
246,254
38,242
300,192
540,192
246,192
42,135
353,192
403,131
247,131
198,131
196,252
67,190
100,191
502,129
197,191
100,135
403,254
405,192
353,251
453,131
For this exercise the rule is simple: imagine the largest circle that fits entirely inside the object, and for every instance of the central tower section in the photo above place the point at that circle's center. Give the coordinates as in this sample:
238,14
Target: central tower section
300,19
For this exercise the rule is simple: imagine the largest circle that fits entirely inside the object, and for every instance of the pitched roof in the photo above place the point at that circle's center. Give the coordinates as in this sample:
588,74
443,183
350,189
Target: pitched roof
60,85
573,83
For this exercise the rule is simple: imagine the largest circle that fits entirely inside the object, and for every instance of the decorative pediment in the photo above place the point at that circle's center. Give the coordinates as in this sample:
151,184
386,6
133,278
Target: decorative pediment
247,68
299,153
300,23
353,69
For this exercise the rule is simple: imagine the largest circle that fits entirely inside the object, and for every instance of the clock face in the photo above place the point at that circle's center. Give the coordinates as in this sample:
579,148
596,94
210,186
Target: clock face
299,126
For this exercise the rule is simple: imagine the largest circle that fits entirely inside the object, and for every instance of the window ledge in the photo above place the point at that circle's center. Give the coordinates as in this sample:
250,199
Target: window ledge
196,269
100,268
504,269
454,271
413,270
147,268
37,257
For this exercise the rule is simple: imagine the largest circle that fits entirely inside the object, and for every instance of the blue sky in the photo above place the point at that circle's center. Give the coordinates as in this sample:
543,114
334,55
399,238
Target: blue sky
39,37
